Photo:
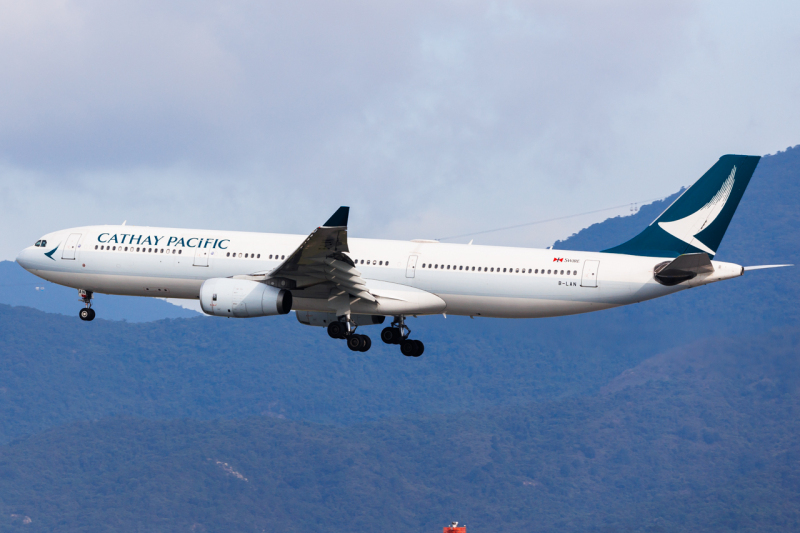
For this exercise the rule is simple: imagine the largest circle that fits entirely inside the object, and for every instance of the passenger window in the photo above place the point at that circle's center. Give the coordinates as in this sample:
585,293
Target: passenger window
95,246
126,248
461,267
386,263
270,256
258,256
473,269
547,271
517,271
114,248
180,252
283,257
229,254
102,247
562,272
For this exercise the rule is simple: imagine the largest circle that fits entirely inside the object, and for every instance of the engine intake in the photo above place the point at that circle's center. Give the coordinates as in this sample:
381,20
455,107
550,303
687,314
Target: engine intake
243,298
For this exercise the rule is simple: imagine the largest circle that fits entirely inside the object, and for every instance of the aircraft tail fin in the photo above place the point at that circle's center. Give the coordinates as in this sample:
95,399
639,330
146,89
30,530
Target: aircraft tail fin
697,220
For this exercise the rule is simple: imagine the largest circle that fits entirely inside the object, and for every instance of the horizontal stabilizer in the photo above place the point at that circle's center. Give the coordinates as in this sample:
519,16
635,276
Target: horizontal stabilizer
761,267
682,268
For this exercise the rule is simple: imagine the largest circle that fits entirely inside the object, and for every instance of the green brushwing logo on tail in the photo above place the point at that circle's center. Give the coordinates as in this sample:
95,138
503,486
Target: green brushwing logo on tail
697,220
51,252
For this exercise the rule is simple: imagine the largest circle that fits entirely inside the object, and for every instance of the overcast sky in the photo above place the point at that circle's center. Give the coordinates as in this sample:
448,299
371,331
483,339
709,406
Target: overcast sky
428,118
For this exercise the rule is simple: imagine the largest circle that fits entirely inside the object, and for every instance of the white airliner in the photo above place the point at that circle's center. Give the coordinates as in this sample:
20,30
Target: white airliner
343,284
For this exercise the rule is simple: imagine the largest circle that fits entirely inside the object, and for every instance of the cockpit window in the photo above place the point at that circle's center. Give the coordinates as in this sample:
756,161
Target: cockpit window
44,243
38,243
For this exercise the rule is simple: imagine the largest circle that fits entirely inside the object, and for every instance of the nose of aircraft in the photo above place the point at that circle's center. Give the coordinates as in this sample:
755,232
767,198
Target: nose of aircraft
24,259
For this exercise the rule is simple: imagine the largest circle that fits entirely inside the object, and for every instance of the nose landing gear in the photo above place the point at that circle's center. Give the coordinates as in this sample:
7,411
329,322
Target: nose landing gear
398,333
87,313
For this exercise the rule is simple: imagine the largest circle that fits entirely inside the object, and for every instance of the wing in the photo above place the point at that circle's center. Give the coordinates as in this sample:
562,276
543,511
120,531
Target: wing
320,262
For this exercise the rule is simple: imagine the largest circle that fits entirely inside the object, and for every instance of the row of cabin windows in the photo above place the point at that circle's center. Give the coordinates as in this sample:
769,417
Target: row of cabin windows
254,256
167,250
492,269
132,249
372,262
40,243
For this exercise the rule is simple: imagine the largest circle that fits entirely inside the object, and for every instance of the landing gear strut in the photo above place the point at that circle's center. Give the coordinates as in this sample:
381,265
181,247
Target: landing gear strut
87,313
345,330
398,333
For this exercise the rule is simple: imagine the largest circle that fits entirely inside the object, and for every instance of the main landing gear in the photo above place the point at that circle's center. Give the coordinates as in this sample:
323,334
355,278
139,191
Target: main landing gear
342,330
398,333
87,313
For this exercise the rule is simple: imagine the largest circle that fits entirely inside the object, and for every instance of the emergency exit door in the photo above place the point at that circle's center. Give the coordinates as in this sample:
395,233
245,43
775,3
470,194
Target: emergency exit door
589,277
411,266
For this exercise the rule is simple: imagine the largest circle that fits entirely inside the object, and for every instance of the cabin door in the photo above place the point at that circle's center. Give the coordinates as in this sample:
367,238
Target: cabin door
589,277
411,266
201,257
70,246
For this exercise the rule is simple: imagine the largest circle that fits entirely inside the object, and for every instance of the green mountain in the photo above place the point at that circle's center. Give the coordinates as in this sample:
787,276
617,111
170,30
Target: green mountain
703,438
674,414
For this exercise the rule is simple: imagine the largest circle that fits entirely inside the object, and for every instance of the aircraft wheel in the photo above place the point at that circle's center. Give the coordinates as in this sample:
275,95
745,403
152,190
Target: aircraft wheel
420,348
408,348
366,343
87,314
387,335
355,343
336,330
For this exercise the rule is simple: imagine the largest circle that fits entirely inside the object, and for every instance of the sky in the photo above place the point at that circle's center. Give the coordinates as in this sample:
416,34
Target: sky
429,119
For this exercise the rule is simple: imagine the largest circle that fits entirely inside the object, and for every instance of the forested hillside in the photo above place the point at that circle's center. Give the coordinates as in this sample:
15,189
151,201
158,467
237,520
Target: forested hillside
673,414
703,438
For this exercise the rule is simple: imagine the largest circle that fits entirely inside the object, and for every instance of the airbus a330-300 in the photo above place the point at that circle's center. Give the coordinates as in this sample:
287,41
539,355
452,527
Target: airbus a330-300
345,284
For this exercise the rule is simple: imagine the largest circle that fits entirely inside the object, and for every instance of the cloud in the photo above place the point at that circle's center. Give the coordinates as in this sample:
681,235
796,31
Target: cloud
428,118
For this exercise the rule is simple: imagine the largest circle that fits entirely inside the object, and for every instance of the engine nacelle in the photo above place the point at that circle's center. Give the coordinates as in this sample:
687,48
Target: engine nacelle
243,298
316,318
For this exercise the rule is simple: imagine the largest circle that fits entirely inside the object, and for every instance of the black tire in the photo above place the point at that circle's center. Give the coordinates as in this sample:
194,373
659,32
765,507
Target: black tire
387,335
408,348
354,342
336,330
366,343
85,314
420,348
91,314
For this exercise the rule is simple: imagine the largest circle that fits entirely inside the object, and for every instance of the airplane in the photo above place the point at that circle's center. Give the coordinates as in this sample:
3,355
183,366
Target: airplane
344,284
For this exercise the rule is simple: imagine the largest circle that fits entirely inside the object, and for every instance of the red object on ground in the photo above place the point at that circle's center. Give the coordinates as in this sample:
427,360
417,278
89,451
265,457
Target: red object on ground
455,530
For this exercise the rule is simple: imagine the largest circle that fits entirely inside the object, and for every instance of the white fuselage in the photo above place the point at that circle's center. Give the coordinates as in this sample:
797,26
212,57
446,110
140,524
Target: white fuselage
442,278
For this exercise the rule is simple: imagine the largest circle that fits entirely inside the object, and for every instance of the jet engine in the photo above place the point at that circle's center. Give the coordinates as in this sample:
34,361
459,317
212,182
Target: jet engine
243,298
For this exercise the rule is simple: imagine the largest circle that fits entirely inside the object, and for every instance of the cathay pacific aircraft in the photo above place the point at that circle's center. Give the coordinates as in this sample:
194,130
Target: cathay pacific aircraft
345,284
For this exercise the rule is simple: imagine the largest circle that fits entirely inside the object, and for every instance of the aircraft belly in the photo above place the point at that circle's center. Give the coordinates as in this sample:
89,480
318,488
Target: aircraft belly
126,285
513,307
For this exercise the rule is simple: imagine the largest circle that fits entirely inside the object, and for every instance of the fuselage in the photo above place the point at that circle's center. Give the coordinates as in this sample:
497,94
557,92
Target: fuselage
455,279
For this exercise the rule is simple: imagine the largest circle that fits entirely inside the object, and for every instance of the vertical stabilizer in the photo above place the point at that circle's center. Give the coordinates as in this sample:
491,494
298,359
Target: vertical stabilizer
697,220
